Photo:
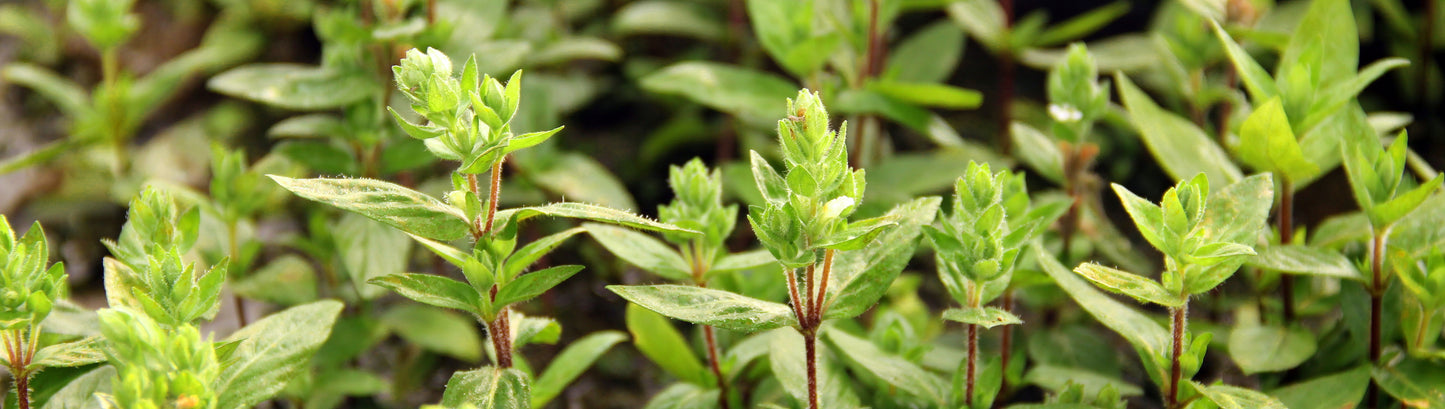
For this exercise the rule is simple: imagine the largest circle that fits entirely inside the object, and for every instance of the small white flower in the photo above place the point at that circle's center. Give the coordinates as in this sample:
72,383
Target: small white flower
837,206
1065,113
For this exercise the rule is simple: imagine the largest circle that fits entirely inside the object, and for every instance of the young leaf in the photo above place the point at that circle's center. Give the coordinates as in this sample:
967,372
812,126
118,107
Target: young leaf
751,95
863,356
1257,81
1269,348
742,261
531,285
1077,28
86,351
929,55
929,95
436,330
988,317
860,277
655,337
567,365
641,250
432,290
397,206
1140,288
1038,151
1237,213
66,95
272,351
1267,143
524,257
369,250
707,306
1181,148
488,388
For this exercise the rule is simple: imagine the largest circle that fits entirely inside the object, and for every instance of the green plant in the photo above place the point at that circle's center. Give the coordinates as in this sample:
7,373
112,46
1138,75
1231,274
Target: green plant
1205,237
468,119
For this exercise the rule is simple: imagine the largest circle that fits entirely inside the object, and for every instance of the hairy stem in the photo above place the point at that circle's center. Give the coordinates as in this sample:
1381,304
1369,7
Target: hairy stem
810,346
1286,235
493,193
822,286
971,370
1377,295
794,297
807,291
500,330
1177,323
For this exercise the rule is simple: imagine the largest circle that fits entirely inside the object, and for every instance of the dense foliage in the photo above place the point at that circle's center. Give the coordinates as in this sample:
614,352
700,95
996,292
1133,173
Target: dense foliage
754,203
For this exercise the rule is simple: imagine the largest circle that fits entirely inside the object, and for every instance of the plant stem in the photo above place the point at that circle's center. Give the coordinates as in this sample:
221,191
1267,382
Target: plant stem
500,330
970,372
1377,294
493,193
1005,82
712,361
822,286
236,300
1286,236
1006,343
810,346
794,297
1177,322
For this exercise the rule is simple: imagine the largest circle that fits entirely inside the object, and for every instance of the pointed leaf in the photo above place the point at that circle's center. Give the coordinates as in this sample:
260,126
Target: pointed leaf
1234,397
860,277
294,86
746,260
655,337
1178,146
1140,288
1237,213
1298,259
591,212
1141,331
571,362
1269,348
752,95
432,290
272,351
529,254
1267,143
533,284
1340,390
863,356
436,330
641,250
1260,84
85,351
395,205
707,306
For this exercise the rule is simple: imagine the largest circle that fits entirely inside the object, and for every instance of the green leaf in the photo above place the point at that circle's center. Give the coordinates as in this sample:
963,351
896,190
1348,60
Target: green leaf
930,55
1328,33
1234,397
860,277
1181,148
432,290
1415,381
488,388
574,48
395,205
530,285
988,317
1256,80
591,212
984,20
707,306
1055,379
1340,390
319,156
1237,213
1038,151
1079,27
523,258
867,101
862,356
369,250
1140,288
1331,99
570,363
82,352
655,337
683,395
80,392
668,18
530,139
752,95
746,260
293,86
436,330
1134,326
65,94
641,250
1267,144
287,280
272,351
1298,259
1405,203
929,95
37,156
1269,348
1124,52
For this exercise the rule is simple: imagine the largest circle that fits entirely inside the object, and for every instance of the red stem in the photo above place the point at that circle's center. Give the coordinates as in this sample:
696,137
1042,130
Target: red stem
810,345
1177,315
712,358
493,193
970,372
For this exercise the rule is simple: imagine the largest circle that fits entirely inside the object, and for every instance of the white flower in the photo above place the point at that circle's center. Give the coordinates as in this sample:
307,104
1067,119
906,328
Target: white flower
1065,113
837,206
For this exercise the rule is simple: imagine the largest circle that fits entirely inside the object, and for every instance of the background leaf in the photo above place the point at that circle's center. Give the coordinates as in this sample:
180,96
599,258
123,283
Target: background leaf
860,277
272,351
386,202
1269,348
707,306
577,357
436,330
654,336
641,250
488,388
1181,148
